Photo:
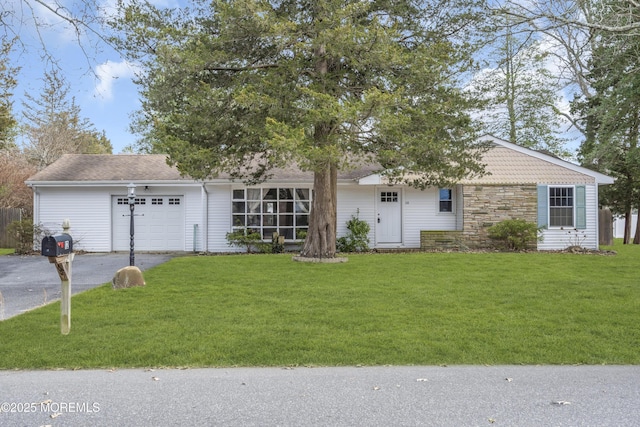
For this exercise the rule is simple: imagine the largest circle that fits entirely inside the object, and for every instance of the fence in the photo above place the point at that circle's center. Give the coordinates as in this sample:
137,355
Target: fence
7,216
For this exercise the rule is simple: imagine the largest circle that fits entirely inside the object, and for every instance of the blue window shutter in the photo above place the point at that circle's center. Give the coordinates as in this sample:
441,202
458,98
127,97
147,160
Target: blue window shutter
543,205
581,207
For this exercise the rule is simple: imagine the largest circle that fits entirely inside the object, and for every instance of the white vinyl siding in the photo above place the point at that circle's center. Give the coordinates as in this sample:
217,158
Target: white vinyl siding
421,211
220,219
88,211
563,237
356,201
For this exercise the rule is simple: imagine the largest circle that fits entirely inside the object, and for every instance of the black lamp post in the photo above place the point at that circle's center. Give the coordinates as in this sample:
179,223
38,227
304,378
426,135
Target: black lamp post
132,206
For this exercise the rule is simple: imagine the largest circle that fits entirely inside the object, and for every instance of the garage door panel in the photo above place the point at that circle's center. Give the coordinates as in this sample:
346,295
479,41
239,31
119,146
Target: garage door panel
159,223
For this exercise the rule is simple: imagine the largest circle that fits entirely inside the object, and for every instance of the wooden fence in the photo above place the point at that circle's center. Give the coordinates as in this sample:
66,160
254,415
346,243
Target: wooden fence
7,216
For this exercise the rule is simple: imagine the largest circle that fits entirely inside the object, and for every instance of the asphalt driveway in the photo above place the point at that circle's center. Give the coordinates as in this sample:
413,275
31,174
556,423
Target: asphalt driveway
29,281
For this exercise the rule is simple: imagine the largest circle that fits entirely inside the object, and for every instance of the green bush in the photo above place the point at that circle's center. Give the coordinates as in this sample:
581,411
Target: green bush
27,235
357,239
515,234
249,239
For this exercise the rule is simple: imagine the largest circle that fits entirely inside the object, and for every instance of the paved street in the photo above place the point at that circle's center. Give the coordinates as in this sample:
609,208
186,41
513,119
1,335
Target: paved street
349,396
29,281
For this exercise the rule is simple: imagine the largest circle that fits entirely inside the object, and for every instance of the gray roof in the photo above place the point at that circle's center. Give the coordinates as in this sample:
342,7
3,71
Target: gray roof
506,163
150,167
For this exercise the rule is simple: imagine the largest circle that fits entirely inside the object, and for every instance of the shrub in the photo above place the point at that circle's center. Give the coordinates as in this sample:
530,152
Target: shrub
515,234
277,243
27,235
247,238
357,239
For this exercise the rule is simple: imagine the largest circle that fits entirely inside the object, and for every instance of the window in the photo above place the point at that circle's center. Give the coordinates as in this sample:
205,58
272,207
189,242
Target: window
561,206
388,196
156,201
269,210
446,200
125,201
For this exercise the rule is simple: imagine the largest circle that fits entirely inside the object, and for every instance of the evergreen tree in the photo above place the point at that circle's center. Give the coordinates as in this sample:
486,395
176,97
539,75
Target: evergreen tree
245,86
612,115
54,126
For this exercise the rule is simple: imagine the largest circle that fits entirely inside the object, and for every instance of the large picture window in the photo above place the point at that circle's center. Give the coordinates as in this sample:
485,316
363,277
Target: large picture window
561,203
269,210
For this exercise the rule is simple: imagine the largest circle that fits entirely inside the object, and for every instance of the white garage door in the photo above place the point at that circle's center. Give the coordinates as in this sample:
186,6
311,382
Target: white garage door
158,223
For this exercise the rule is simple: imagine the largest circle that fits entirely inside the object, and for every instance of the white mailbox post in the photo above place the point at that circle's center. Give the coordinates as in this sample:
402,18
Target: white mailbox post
59,250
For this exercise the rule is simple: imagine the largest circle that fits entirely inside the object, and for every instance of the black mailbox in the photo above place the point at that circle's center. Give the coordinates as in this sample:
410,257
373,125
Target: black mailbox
57,245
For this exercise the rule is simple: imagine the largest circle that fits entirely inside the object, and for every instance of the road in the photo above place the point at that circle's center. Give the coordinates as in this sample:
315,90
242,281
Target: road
346,396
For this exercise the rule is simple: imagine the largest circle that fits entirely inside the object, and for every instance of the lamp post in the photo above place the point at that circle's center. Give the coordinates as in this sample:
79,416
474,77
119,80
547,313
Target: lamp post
132,206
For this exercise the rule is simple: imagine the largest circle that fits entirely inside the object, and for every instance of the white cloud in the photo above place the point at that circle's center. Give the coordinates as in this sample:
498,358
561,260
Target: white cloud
107,73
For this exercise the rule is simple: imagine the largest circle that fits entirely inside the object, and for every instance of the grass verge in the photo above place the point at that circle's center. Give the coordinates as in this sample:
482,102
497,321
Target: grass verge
399,309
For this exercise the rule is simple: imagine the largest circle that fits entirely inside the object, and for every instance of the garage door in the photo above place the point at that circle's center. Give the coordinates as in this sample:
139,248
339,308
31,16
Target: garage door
158,223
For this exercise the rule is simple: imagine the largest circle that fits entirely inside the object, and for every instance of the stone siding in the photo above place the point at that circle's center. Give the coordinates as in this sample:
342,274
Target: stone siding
436,240
486,205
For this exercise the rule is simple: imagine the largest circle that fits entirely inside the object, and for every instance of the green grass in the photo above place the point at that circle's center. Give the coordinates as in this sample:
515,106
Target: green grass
399,309
6,251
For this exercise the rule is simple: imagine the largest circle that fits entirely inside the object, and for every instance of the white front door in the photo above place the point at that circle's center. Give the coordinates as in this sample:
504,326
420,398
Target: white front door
389,216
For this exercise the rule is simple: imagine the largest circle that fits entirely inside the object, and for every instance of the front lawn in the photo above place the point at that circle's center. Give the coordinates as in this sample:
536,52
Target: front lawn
377,309
7,251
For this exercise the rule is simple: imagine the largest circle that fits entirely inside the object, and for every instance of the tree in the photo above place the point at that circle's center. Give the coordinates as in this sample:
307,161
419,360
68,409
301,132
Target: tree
601,41
8,122
246,86
612,116
520,92
30,23
14,170
54,126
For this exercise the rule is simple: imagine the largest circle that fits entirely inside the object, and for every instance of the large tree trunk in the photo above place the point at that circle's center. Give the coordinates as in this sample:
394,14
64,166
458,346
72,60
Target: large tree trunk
321,237
636,237
627,227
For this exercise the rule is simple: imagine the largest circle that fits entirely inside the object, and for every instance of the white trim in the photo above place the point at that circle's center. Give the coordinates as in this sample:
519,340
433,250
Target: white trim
573,206
453,201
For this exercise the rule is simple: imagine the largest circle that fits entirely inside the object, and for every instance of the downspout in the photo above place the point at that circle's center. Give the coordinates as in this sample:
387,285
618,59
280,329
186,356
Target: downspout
205,218
597,208
36,207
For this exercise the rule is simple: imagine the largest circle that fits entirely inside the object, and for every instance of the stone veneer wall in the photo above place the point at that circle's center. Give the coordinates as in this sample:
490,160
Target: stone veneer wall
438,240
486,205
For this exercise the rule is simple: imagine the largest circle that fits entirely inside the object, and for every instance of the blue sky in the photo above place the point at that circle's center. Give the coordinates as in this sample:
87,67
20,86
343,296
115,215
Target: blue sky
99,80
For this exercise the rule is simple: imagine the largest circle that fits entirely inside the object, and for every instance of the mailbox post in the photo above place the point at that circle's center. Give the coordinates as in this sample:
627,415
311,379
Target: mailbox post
59,250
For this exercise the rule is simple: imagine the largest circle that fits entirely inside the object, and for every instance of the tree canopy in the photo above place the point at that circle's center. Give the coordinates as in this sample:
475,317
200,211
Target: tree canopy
520,92
246,86
8,123
54,126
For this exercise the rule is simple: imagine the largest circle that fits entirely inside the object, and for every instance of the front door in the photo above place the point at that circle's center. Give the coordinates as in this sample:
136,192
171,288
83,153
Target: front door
389,216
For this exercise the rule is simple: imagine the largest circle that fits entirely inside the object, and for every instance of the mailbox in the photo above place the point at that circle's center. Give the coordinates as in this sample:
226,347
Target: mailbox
57,245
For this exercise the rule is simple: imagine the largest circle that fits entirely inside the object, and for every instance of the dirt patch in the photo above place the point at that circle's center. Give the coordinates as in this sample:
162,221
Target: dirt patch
335,260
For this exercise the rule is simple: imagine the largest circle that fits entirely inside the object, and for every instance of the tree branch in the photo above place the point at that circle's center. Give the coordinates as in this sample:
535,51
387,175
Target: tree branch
210,67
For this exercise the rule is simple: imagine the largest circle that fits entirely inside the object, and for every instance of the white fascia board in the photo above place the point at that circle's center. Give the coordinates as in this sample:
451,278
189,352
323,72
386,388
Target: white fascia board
123,183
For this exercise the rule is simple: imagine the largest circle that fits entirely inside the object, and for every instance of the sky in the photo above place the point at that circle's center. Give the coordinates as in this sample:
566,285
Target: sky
100,81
